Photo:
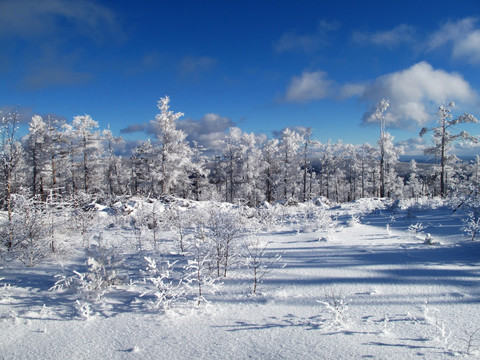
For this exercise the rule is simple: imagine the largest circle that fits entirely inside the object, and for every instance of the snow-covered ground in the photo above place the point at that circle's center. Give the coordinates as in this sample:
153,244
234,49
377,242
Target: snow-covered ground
367,288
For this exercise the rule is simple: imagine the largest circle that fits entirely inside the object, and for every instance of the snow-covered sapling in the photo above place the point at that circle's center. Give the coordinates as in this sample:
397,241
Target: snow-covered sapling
258,259
103,267
179,221
471,225
225,226
199,260
84,309
415,230
29,242
83,220
337,306
167,289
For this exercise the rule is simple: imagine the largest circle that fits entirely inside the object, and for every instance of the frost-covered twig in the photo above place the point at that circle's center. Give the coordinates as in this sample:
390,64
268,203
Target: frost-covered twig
166,289
337,305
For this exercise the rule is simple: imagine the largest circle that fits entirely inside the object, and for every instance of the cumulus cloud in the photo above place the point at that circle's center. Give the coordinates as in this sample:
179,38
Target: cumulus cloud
415,93
209,131
412,146
291,41
146,127
463,37
398,35
309,86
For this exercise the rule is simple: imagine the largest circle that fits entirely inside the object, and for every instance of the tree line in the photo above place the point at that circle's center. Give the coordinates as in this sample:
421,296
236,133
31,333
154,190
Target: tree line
57,159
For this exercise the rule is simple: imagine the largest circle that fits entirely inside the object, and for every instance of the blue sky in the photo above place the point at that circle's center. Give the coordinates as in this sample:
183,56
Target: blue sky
258,65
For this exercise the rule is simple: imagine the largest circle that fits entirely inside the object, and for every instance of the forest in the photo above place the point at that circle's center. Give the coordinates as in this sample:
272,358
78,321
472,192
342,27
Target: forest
67,160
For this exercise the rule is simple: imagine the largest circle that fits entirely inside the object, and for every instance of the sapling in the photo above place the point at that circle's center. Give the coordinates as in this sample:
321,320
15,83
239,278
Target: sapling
199,258
223,227
179,221
29,240
258,259
471,225
415,230
167,289
83,218
337,305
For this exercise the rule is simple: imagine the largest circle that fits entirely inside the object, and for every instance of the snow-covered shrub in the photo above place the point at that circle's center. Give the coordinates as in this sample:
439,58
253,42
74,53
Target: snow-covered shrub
198,276
266,216
337,305
258,259
167,289
415,230
84,309
103,271
471,225
354,220
225,226
431,316
27,233
83,221
180,221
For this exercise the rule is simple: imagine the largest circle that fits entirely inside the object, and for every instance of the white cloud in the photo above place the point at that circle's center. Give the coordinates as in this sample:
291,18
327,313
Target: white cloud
291,41
415,94
31,18
351,90
309,86
209,131
462,36
412,146
400,34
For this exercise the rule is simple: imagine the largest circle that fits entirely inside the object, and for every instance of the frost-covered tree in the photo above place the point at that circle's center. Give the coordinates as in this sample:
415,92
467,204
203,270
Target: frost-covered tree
442,139
379,115
414,185
270,157
83,142
142,175
307,145
199,171
36,147
251,170
232,159
11,153
111,162
289,149
174,151
29,241
391,182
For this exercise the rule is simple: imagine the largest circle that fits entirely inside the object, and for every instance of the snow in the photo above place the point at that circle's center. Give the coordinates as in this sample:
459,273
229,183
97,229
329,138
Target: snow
367,290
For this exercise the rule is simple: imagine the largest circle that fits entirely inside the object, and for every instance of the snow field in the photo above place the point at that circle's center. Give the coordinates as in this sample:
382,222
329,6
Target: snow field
359,290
